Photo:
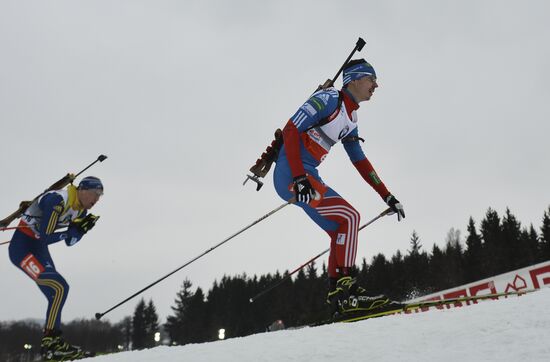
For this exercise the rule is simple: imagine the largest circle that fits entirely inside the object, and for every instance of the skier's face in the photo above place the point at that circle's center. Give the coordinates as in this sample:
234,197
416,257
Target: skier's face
363,88
88,198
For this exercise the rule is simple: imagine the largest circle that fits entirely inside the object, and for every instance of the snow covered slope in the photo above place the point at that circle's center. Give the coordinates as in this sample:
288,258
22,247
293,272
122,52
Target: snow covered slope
513,329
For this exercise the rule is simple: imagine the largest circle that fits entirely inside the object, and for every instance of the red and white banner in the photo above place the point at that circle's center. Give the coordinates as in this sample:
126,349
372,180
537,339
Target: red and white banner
526,279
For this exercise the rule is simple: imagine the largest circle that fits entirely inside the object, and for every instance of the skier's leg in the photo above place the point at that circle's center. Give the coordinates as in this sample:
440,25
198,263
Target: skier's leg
343,238
56,289
34,259
341,221
333,214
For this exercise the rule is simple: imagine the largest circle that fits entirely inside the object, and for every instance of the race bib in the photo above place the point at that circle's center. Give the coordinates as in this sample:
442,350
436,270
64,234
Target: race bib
32,266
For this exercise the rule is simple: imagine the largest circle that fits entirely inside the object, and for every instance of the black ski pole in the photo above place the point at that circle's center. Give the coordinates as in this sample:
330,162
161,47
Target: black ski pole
253,299
67,179
99,315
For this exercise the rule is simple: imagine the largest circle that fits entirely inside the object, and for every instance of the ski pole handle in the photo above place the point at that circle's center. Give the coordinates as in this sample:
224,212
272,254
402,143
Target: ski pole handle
382,214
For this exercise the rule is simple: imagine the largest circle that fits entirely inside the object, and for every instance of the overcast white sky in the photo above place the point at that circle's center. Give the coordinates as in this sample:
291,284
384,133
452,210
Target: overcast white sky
183,96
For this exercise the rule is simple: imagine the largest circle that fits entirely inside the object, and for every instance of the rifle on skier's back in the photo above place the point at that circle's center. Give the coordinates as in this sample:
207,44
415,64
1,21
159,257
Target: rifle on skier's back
24,205
264,163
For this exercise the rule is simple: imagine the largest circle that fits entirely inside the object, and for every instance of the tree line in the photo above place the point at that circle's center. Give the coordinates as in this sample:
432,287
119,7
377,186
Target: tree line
496,245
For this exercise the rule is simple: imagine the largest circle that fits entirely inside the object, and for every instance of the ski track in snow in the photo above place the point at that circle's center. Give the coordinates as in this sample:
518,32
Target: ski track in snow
512,329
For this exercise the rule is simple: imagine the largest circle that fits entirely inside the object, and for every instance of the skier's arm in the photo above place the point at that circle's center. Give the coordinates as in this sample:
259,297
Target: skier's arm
291,138
319,106
363,165
52,206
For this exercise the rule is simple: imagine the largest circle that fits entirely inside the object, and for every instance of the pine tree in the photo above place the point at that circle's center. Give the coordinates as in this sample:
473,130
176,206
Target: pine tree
316,306
513,250
416,266
139,326
528,253
545,237
473,256
175,323
493,251
438,266
196,320
125,327
278,307
378,277
415,244
301,294
453,253
398,275
324,271
151,324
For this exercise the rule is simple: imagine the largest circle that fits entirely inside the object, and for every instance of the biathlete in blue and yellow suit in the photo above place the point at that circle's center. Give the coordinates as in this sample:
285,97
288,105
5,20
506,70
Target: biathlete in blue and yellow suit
328,117
28,250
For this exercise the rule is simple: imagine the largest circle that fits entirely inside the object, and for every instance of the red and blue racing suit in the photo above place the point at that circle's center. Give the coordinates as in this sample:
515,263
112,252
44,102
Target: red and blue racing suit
329,116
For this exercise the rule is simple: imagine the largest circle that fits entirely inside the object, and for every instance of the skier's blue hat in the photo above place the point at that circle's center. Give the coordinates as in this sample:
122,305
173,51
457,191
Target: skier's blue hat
91,183
357,69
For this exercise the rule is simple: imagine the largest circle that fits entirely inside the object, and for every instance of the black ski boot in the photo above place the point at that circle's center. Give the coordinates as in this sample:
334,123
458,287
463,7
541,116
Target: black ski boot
347,298
54,348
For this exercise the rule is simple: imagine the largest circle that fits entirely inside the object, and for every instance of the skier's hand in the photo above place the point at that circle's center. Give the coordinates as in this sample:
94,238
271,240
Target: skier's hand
74,234
85,223
396,207
303,190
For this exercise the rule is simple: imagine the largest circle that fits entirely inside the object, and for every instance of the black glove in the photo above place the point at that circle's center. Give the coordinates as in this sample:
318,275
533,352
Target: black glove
84,224
395,207
74,234
303,190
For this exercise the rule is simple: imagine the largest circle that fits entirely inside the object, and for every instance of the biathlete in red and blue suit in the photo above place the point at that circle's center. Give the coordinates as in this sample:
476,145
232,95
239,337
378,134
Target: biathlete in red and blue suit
326,118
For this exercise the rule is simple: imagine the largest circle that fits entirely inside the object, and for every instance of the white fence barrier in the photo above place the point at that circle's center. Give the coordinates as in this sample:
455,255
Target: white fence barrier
526,279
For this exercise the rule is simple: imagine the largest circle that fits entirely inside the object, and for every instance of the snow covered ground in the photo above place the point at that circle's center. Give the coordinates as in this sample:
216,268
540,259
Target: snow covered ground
514,329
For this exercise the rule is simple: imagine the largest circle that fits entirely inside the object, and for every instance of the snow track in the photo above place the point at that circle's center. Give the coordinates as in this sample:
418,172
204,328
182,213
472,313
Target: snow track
512,329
